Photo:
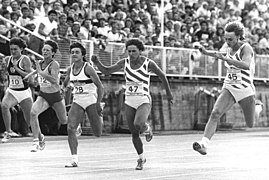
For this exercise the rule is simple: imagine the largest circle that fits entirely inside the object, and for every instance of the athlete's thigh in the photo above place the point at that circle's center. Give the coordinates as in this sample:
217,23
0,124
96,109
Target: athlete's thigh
248,106
224,102
75,115
9,100
142,113
130,116
39,106
94,118
60,110
26,106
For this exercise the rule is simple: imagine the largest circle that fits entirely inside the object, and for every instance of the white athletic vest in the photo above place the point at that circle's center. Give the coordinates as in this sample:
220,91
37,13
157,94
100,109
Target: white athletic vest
82,83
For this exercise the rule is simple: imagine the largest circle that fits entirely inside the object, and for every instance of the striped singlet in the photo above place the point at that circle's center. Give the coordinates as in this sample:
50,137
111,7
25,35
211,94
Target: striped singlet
137,80
239,81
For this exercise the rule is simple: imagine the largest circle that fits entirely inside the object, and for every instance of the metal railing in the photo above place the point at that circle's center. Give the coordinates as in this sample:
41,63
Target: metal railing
175,62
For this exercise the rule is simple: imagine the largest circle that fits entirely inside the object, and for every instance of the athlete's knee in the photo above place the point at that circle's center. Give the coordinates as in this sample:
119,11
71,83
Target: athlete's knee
215,115
5,106
33,113
138,125
71,128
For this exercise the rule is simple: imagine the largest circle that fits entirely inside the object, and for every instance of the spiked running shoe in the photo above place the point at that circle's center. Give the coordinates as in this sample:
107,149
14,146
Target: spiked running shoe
199,147
148,133
140,164
42,143
71,164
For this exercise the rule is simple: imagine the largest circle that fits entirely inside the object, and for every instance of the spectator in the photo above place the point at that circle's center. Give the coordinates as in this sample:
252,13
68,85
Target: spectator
85,28
203,34
15,6
46,29
114,34
63,28
103,27
76,34
5,6
24,19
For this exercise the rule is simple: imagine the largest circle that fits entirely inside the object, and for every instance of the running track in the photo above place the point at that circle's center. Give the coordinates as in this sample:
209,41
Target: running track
232,155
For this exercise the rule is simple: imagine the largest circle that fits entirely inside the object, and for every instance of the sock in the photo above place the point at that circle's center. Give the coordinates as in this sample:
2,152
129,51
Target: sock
75,158
36,141
205,141
141,156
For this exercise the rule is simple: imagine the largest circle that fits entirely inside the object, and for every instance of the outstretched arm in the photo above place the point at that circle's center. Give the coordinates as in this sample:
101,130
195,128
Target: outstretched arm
108,69
155,68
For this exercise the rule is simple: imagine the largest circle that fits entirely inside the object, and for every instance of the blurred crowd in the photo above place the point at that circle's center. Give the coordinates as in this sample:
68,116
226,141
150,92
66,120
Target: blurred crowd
186,23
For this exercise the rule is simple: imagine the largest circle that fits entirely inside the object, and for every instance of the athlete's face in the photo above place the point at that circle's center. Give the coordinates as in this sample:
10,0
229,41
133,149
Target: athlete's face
133,52
76,55
47,51
231,39
15,50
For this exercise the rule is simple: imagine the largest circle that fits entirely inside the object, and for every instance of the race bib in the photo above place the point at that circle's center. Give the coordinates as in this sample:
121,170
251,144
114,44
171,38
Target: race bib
233,76
79,88
43,82
15,82
134,88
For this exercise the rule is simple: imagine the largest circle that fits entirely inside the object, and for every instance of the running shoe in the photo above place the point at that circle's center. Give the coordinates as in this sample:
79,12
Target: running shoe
6,137
35,147
71,164
140,163
79,131
148,133
13,134
199,147
42,143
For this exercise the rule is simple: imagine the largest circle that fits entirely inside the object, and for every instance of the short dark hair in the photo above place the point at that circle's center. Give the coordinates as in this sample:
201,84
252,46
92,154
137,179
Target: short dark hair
52,12
136,42
81,47
18,41
53,44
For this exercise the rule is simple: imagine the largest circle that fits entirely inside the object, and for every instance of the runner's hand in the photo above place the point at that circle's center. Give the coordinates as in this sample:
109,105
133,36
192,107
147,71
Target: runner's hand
95,59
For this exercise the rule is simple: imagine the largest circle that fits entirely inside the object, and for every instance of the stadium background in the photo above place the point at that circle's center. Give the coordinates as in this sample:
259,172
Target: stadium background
170,30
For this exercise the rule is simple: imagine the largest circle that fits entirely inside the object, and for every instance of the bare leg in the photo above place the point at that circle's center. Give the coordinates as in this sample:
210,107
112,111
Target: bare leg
39,106
75,116
248,106
8,102
60,110
224,102
26,106
95,120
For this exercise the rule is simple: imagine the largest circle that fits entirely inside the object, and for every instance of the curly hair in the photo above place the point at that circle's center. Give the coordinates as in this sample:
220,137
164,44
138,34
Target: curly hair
236,27
136,42
53,44
18,41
